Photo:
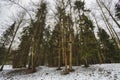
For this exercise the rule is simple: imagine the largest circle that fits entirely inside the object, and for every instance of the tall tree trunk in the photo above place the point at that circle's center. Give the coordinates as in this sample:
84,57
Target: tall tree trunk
30,62
86,63
33,67
63,56
65,48
70,37
99,55
59,55
70,63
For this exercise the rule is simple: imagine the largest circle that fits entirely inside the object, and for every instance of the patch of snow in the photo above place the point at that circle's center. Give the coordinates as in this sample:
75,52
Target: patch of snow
94,72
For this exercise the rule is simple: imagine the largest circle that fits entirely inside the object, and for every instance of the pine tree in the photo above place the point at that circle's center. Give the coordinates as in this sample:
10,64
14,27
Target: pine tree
86,35
62,21
37,30
21,55
108,47
89,42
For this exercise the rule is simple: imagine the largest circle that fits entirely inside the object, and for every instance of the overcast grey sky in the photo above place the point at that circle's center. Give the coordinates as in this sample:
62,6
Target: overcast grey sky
6,11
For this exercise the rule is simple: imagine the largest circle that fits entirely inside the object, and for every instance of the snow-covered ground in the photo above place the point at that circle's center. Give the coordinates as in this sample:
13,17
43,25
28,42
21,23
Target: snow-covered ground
94,72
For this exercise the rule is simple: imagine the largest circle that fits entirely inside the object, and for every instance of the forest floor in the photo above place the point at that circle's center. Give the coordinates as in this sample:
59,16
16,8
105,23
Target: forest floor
94,72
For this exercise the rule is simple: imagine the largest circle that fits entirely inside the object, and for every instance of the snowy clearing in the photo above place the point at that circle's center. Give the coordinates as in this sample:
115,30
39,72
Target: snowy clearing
94,72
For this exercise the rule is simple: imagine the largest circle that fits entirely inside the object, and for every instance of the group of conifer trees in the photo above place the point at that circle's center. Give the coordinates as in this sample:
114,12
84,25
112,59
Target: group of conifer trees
70,42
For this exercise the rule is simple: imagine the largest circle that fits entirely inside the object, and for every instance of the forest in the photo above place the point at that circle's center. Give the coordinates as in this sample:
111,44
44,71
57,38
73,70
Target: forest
71,36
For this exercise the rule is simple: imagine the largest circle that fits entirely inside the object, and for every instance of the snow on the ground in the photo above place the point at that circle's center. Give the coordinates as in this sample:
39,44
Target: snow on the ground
94,72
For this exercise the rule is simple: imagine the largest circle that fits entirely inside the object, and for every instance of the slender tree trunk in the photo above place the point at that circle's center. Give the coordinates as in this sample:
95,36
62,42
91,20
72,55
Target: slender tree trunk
65,55
99,55
59,56
33,55
70,63
59,59
65,49
86,63
70,37
59,48
66,66
63,44
30,62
